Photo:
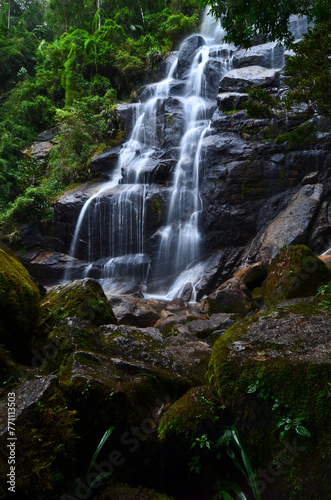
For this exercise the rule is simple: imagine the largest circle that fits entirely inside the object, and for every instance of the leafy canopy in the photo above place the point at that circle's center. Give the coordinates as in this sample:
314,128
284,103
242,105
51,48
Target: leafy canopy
244,20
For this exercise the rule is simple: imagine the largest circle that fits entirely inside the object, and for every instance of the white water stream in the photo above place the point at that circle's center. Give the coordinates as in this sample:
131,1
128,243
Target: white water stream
115,215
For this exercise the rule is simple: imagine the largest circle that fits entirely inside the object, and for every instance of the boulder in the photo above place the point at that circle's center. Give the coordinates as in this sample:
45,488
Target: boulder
291,226
240,80
268,55
277,365
254,275
43,438
202,328
49,267
19,306
27,396
180,425
186,54
48,135
40,150
231,297
294,272
132,311
83,299
214,70
176,87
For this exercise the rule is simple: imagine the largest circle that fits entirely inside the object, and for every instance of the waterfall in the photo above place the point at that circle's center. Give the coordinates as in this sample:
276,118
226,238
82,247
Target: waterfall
119,248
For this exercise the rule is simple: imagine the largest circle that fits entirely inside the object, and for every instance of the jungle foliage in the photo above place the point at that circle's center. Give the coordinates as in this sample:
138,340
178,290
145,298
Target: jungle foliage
67,64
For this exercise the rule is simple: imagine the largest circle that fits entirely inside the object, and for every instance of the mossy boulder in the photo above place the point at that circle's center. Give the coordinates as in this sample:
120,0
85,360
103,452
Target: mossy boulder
286,351
45,437
294,272
19,305
189,417
83,299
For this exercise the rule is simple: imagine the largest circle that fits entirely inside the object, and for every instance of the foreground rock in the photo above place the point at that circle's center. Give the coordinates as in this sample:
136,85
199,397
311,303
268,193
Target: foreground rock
132,311
19,306
231,297
83,299
44,429
283,355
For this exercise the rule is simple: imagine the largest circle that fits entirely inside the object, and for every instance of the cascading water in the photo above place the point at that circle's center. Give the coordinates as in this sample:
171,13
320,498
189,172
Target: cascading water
118,248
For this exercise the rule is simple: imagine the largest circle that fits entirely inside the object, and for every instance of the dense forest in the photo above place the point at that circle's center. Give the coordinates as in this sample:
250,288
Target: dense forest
67,64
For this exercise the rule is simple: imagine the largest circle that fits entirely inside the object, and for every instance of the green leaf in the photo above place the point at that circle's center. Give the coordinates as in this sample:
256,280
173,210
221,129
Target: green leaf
232,485
281,421
302,431
100,476
282,435
99,447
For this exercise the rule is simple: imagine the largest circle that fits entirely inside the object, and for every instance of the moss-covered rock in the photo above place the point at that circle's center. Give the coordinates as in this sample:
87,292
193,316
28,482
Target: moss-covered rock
45,436
287,351
19,305
189,417
83,299
120,491
7,367
294,272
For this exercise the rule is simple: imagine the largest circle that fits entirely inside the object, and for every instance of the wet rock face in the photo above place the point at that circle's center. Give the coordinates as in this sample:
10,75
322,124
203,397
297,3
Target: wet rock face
268,55
291,226
240,80
185,56
256,195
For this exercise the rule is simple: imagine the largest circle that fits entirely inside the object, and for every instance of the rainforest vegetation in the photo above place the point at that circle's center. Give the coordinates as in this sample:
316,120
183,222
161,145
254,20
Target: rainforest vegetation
67,64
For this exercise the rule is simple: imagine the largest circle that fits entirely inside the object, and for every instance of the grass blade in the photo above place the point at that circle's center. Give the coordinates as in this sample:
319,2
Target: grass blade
99,447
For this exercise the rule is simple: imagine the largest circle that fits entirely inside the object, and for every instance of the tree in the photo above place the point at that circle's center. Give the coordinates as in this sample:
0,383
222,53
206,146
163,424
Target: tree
310,68
244,20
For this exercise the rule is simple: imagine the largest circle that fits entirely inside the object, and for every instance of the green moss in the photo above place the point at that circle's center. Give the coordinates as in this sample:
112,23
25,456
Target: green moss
301,135
294,272
188,416
8,371
156,208
45,439
83,299
300,383
19,305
